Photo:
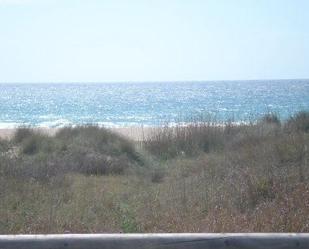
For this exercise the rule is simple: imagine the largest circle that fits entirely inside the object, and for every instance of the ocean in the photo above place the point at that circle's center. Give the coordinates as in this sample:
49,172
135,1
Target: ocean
148,104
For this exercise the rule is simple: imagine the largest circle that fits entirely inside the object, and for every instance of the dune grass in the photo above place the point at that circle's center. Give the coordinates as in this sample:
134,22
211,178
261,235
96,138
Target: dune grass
196,178
87,150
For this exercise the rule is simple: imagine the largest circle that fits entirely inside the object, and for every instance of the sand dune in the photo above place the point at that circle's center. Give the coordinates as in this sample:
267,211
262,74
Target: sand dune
135,133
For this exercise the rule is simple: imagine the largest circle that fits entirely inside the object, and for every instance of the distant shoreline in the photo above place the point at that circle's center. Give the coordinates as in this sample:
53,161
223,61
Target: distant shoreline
135,133
142,133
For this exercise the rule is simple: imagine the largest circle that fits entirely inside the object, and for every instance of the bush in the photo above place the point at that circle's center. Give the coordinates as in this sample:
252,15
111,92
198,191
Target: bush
271,118
87,150
22,133
157,175
189,140
4,146
39,143
299,122
30,145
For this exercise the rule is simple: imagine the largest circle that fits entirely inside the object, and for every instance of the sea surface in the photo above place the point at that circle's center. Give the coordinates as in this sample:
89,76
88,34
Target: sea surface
148,104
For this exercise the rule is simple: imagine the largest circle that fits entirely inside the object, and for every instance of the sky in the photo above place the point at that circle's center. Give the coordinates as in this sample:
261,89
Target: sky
153,40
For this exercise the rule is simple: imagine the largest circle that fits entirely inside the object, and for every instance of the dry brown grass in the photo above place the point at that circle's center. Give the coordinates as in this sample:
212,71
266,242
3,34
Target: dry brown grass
250,178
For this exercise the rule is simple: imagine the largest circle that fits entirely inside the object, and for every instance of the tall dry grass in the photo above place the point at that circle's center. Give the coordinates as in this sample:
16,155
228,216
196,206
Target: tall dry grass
199,178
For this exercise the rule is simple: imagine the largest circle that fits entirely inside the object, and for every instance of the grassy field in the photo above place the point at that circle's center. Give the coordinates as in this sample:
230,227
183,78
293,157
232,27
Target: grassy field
198,178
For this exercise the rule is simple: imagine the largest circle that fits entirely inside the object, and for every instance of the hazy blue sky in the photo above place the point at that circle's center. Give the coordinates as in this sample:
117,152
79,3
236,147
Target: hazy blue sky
100,40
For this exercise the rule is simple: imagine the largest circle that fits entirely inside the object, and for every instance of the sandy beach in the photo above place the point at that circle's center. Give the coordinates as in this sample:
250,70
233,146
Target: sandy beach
133,132
8,133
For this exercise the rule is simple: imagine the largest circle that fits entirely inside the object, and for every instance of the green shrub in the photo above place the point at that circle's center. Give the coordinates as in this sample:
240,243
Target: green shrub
30,145
4,146
38,143
87,150
22,133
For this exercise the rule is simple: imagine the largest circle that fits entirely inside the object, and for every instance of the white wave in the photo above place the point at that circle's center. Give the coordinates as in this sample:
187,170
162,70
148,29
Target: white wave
49,117
55,123
120,124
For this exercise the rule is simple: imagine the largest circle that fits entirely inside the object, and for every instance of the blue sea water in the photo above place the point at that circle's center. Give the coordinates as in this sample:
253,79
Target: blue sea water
125,104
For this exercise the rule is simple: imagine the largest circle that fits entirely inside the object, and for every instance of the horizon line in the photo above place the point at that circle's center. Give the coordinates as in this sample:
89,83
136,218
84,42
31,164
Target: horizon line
146,81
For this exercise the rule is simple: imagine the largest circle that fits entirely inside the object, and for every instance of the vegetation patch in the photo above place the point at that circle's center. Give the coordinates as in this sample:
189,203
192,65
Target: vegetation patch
198,178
